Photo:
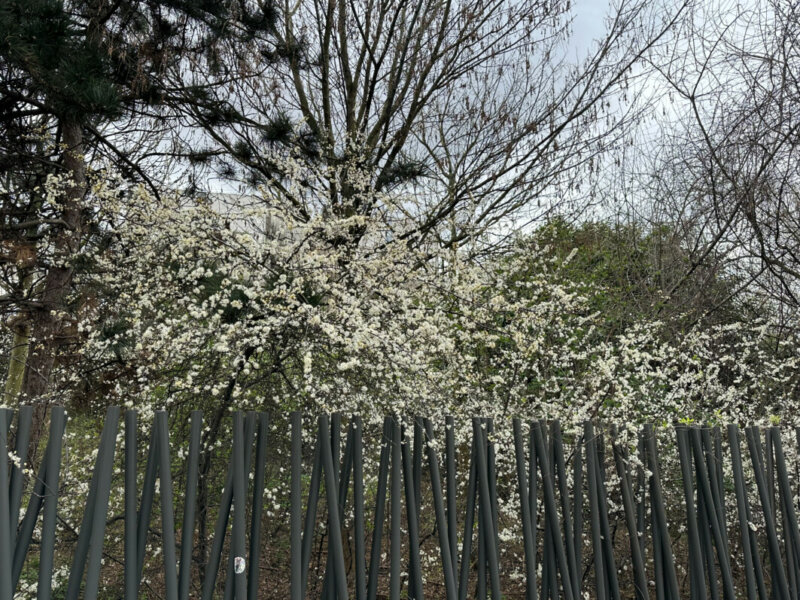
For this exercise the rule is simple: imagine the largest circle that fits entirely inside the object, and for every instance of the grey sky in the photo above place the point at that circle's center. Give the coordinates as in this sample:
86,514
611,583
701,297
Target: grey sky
588,24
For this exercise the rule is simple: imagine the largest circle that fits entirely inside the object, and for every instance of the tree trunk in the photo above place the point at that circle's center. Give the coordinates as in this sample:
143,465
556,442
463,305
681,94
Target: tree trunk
48,319
17,359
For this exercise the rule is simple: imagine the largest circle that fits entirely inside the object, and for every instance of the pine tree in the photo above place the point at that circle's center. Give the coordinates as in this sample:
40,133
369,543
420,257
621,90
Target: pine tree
78,80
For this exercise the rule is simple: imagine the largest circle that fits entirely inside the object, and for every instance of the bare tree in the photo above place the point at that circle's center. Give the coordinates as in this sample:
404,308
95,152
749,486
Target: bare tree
473,108
729,171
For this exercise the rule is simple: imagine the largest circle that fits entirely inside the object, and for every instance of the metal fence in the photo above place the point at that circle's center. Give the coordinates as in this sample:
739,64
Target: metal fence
590,519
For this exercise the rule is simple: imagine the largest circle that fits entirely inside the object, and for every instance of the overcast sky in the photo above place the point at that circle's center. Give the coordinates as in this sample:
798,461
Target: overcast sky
589,23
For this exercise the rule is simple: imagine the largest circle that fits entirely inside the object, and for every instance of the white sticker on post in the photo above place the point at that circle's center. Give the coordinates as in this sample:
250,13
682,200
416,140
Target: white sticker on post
238,565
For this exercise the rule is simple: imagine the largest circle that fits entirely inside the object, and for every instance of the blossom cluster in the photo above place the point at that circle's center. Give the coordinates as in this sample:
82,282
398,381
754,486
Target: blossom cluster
236,302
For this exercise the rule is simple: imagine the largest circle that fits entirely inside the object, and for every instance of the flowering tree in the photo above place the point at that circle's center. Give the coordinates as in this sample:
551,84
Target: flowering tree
197,304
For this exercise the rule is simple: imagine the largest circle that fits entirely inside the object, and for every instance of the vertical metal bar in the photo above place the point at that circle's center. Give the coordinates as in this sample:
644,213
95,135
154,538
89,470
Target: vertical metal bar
533,493
769,435
658,559
555,534
380,508
6,591
766,461
641,501
711,441
311,515
335,529
343,481
705,543
639,575
190,505
131,553
548,565
483,526
657,503
561,471
525,511
84,537
491,475
394,552
716,433
258,507
232,581
551,511
418,451
469,522
491,460
336,450
790,516
704,522
358,509
346,470
696,572
450,469
415,590
797,477
100,509
780,582
644,485
53,469
167,508
712,515
146,504
9,416
481,589
549,541
215,553
230,576
295,507
594,511
239,503
553,582
788,543
769,469
606,533
23,435
713,456
485,502
577,513
416,498
328,591
750,568
336,440
28,524
442,525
